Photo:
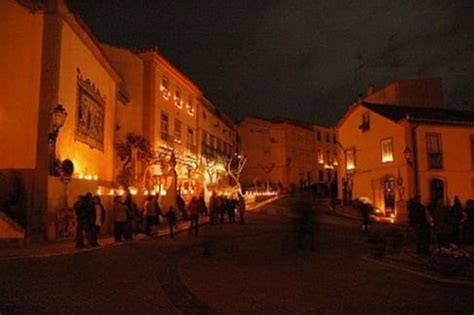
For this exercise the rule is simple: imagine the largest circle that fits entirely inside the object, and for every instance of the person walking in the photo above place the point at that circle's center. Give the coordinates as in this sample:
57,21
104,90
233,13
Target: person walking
193,209
120,218
421,226
130,208
82,221
241,207
213,211
149,215
458,217
171,218
182,207
230,205
202,205
99,219
365,214
156,209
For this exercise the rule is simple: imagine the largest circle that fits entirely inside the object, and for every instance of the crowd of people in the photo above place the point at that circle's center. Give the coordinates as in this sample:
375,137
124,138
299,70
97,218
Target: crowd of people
129,219
436,226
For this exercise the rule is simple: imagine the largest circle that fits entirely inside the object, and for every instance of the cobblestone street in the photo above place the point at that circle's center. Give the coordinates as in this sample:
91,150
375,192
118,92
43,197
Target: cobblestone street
254,268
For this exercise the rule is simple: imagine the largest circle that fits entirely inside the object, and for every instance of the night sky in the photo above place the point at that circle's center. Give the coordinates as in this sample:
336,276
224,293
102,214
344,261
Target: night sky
301,59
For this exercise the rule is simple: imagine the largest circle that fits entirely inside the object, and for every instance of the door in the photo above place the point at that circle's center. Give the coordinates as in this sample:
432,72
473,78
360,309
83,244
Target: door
437,190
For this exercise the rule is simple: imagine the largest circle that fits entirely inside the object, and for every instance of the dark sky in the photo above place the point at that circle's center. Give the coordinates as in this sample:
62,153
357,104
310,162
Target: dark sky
302,59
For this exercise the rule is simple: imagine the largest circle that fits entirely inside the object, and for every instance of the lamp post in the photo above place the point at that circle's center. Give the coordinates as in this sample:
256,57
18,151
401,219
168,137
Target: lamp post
58,117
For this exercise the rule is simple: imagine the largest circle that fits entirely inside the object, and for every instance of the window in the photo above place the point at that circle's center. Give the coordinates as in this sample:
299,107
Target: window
350,159
472,151
327,137
434,151
178,100
177,130
204,137
334,158
318,135
165,87
204,115
321,175
365,122
190,139
190,106
334,139
386,146
219,145
320,157
164,126
213,142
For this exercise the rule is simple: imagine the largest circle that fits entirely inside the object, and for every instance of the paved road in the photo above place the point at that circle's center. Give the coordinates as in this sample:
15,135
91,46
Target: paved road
254,268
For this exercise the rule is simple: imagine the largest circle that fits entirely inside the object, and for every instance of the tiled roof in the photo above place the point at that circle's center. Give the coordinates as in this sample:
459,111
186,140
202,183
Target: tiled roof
423,114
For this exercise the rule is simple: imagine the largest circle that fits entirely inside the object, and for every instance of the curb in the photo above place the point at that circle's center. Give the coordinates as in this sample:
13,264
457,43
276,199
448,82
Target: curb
74,251
418,273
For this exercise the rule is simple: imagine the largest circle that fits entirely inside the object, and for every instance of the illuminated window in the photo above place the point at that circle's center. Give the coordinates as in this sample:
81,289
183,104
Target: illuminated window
177,131
164,126
190,106
165,87
190,139
320,157
350,159
178,100
386,146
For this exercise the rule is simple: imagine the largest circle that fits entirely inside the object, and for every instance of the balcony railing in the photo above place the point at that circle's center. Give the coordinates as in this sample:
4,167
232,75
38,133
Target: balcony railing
211,152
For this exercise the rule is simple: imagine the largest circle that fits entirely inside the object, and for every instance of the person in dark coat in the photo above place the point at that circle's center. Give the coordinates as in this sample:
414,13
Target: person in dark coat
82,220
458,217
98,221
182,207
241,207
202,206
171,218
213,208
421,226
193,209
365,214
230,207
131,209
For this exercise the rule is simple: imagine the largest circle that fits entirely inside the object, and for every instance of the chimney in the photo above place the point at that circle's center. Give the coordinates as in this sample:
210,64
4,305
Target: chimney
360,98
370,89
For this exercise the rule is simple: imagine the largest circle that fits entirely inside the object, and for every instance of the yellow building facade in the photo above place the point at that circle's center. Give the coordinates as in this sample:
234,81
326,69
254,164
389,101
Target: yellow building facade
287,153
392,153
107,94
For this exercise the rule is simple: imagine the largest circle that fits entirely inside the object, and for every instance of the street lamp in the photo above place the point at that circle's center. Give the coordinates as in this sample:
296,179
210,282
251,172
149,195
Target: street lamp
408,156
58,117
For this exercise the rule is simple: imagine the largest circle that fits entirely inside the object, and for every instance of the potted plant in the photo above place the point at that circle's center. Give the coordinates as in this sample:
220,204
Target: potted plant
450,260
376,245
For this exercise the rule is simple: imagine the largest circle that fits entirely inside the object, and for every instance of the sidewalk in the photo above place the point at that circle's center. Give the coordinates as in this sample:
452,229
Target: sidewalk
67,247
408,261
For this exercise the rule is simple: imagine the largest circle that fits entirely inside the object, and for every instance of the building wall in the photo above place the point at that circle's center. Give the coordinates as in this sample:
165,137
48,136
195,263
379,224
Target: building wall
457,172
418,92
264,144
370,171
299,154
21,41
327,148
129,115
76,55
